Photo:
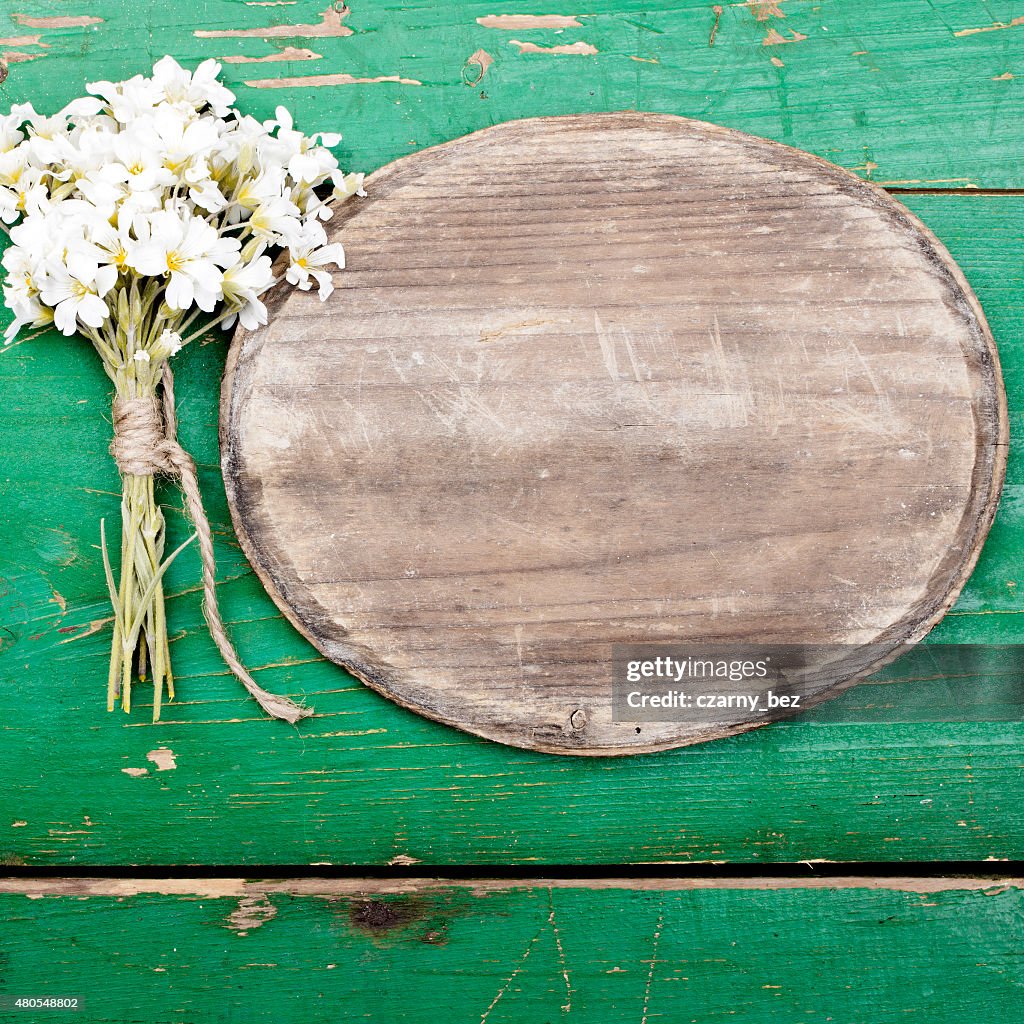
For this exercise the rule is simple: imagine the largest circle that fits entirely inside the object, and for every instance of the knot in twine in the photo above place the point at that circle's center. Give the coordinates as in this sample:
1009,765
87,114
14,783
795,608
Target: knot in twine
141,445
145,444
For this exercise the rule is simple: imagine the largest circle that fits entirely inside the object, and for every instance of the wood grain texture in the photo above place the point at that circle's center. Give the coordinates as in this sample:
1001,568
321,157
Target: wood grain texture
613,379
889,92
943,950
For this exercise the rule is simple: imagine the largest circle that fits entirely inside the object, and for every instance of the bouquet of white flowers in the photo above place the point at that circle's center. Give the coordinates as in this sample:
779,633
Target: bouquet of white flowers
140,217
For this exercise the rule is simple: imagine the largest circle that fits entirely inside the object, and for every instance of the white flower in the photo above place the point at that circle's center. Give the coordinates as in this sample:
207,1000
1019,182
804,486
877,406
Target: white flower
110,244
346,185
28,312
207,196
27,194
21,291
75,292
275,220
154,195
309,258
11,125
105,187
242,285
142,356
267,186
193,90
169,343
128,100
185,144
306,162
142,161
46,236
189,250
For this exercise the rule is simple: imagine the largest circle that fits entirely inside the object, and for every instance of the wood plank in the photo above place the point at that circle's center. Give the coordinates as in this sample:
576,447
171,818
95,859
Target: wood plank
380,782
791,950
631,418
926,92
365,782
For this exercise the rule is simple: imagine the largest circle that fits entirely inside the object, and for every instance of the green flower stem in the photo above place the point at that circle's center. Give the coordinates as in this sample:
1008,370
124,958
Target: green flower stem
140,647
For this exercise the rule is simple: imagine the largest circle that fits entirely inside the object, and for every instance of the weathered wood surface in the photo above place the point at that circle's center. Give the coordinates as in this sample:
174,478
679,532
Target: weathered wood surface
925,92
788,950
613,379
367,781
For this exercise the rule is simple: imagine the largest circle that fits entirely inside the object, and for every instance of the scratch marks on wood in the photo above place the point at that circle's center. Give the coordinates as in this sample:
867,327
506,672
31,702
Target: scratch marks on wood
515,974
519,325
994,27
776,38
330,25
163,758
476,67
580,47
654,959
661,385
516,22
288,53
607,348
66,21
717,11
317,81
567,1005
251,913
1004,77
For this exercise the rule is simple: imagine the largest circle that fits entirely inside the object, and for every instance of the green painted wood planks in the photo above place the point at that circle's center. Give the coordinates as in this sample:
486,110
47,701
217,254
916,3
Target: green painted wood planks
942,950
897,95
926,92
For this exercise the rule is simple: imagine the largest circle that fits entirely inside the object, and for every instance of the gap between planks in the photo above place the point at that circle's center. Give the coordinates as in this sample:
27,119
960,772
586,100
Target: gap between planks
926,190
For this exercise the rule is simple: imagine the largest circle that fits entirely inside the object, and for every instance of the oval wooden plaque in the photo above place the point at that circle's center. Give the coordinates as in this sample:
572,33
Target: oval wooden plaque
612,379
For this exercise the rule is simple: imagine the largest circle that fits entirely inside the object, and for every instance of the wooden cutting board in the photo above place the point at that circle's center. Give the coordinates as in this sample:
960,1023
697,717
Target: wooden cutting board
618,378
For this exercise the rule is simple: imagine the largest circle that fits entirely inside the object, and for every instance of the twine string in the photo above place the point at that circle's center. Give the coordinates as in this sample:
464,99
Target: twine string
146,444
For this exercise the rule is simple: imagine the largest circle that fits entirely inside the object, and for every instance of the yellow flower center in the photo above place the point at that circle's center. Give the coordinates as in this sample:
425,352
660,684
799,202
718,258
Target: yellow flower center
174,262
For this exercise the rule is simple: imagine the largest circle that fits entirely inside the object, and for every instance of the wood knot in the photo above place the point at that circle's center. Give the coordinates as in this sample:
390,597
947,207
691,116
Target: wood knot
578,719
